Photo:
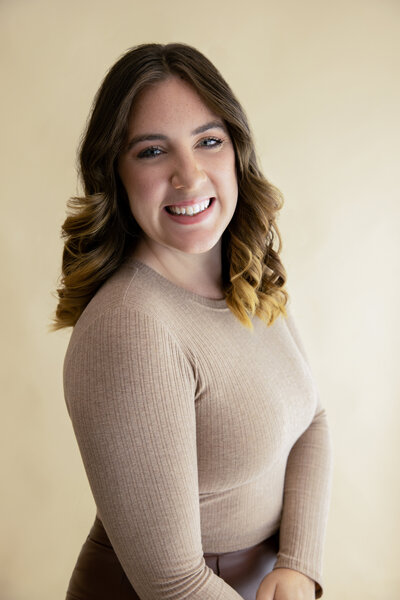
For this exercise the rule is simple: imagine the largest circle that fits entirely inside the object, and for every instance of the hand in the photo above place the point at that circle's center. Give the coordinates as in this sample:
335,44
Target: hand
286,584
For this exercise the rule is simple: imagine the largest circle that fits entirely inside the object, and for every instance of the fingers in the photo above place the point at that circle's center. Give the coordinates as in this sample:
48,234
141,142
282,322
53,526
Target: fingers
267,589
286,584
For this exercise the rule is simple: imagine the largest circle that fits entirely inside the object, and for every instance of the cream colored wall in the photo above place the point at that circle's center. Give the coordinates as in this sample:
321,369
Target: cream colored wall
320,82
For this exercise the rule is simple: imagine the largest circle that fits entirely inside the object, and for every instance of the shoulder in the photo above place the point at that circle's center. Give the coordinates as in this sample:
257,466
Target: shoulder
128,309
120,349
130,290
122,336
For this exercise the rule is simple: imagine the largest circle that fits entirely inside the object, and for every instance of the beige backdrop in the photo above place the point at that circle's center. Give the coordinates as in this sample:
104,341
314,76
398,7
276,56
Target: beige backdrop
320,82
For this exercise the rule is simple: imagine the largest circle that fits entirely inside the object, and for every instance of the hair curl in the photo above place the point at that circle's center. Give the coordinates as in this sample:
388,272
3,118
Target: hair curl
100,231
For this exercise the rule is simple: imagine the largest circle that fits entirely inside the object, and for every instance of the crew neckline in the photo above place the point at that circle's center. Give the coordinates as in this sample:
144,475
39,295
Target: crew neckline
219,303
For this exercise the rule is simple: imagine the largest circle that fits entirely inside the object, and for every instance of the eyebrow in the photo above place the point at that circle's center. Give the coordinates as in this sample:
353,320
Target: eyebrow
151,137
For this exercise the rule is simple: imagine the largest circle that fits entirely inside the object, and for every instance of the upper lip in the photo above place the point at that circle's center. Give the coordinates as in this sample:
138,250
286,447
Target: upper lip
190,201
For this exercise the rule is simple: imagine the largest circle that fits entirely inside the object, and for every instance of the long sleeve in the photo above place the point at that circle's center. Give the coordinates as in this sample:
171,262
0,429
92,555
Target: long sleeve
306,494
130,394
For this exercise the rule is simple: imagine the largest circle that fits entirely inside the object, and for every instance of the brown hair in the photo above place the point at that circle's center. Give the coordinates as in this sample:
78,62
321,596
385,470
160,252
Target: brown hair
100,230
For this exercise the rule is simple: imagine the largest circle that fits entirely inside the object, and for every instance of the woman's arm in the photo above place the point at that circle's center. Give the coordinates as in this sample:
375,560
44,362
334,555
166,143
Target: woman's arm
306,500
130,394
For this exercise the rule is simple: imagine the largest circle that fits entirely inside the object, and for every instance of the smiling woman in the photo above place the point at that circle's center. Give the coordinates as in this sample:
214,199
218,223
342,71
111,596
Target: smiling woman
200,427
183,190
101,231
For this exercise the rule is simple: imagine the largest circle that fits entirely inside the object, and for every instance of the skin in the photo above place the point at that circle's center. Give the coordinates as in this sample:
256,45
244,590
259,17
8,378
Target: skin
286,584
181,166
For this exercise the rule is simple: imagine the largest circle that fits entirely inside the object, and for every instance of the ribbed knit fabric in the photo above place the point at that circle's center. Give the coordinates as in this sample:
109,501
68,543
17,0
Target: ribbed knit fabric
197,435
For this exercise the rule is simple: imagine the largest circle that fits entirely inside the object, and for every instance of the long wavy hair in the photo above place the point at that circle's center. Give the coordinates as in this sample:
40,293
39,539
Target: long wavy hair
100,231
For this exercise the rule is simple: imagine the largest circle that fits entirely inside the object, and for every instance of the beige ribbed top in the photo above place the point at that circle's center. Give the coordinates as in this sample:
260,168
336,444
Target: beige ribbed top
197,435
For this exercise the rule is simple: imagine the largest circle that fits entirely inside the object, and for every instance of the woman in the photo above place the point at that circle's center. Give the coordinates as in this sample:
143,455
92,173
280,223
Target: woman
198,422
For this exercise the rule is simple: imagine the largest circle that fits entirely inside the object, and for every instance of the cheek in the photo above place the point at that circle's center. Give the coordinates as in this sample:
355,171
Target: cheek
145,193
228,177
227,169
139,186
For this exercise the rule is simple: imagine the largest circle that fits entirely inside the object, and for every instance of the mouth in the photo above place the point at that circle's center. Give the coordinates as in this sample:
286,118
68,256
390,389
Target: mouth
190,210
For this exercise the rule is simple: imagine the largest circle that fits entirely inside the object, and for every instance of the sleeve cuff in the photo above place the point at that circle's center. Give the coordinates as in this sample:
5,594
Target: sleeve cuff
285,562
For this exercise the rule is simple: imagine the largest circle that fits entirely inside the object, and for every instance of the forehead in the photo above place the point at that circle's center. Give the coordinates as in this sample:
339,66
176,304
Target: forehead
169,103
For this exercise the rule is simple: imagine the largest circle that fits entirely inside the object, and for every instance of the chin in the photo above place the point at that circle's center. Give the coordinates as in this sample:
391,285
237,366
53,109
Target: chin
200,248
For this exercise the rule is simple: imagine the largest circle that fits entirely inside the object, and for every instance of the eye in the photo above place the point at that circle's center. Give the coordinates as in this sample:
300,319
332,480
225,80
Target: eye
150,152
210,142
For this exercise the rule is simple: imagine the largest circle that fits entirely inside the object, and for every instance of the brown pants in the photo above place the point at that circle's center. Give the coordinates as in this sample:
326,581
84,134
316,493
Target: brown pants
98,574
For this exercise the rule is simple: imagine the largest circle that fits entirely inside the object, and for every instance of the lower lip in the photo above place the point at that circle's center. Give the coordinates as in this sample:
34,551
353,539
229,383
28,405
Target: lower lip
192,220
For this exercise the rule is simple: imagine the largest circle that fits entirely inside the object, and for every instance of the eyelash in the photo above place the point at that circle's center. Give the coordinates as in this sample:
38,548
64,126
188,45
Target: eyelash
146,152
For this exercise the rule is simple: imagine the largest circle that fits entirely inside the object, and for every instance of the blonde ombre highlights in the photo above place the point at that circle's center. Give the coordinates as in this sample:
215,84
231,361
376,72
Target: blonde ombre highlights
100,231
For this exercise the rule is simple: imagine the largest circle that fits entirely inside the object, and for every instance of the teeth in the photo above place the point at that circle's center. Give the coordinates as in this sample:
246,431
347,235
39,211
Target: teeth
194,209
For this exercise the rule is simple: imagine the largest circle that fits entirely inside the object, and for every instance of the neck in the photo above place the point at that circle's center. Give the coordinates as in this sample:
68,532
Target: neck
197,273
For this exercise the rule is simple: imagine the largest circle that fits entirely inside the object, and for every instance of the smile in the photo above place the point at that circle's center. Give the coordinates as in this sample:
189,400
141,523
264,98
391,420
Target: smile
191,210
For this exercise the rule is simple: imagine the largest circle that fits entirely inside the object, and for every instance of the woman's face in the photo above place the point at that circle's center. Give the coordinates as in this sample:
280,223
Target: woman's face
178,169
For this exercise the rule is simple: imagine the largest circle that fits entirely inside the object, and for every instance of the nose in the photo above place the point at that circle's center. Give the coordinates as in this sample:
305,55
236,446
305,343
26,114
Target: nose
187,173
